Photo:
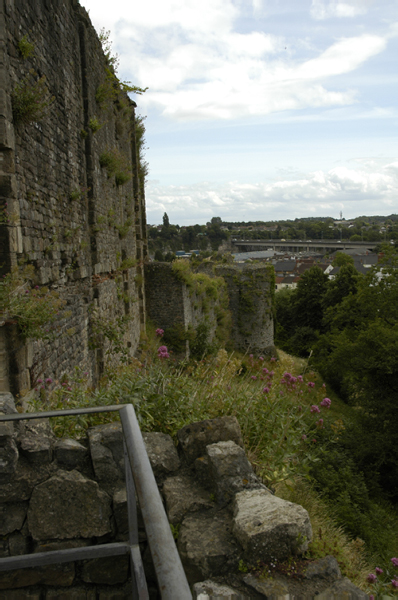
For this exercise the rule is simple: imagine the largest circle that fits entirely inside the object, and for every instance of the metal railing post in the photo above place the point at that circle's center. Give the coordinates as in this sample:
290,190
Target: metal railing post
173,584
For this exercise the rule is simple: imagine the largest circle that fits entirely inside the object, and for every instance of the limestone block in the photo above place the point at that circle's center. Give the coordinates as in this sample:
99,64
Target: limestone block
210,590
107,571
207,546
106,447
68,505
229,470
161,452
12,516
183,495
36,441
194,438
269,589
269,527
70,454
343,589
8,452
20,595
52,575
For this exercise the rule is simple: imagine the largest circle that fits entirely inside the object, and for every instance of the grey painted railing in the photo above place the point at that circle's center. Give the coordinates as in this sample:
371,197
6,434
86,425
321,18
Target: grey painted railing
140,479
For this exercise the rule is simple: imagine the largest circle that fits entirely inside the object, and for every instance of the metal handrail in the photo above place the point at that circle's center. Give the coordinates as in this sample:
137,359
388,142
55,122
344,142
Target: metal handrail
170,574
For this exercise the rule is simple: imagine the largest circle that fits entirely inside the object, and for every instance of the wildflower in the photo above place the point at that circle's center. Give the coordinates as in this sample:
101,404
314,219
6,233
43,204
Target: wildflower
163,352
319,423
313,440
41,381
271,373
251,356
26,291
49,380
299,378
69,389
311,384
265,370
273,359
371,578
159,332
260,358
394,583
326,402
36,287
266,390
378,571
254,377
314,409
303,437
394,562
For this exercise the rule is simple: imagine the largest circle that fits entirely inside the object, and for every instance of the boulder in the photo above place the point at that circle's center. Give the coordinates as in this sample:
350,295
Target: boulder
184,495
19,485
194,438
269,527
229,471
323,568
207,546
162,453
68,505
268,588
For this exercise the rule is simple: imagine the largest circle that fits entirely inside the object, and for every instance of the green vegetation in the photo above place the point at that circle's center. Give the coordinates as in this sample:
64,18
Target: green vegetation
116,164
26,47
31,99
94,124
34,309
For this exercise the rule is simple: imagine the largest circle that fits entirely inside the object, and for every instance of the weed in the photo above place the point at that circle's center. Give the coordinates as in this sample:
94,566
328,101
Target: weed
25,47
116,164
94,124
31,99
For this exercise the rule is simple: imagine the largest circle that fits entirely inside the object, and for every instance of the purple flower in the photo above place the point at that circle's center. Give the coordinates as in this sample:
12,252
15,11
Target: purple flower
326,402
311,384
250,355
378,571
273,359
41,381
304,437
371,578
266,390
36,287
49,380
314,409
159,332
163,352
26,291
394,562
260,358
394,583
299,378
265,370
319,423
254,377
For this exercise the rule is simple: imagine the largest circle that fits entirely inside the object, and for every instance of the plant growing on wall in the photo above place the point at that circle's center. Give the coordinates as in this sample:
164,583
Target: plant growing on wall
31,99
33,309
116,164
26,48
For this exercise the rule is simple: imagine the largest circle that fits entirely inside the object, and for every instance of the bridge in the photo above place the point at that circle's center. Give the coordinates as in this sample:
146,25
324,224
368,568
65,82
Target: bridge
322,246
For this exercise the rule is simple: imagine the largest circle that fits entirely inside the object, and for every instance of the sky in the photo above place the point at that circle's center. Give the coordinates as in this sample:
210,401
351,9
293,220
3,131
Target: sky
260,110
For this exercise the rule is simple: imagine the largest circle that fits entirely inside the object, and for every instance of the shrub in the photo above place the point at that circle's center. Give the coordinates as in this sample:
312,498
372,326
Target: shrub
31,99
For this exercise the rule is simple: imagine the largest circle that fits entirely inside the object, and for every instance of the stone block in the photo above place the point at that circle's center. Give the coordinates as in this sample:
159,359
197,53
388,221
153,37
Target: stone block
194,438
210,590
71,594
20,595
106,447
324,568
52,575
12,517
268,589
269,527
123,593
229,470
343,589
7,403
70,454
8,455
68,505
161,452
19,485
36,441
207,546
18,544
106,571
183,495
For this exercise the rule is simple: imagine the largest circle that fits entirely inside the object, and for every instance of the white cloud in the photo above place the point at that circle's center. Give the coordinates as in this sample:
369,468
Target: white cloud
325,9
368,188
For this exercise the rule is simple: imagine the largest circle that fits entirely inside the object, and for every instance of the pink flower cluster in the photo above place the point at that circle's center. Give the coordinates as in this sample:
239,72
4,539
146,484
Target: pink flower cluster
163,352
372,578
315,409
159,332
326,402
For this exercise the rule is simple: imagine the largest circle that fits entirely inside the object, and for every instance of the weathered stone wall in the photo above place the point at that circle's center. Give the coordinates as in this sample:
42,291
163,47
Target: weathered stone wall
170,302
63,493
250,290
60,210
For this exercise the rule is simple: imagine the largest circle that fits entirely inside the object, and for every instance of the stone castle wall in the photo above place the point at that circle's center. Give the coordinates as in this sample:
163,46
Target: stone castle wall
60,210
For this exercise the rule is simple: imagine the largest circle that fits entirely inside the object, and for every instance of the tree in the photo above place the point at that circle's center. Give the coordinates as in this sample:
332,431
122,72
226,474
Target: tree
166,222
341,259
308,299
